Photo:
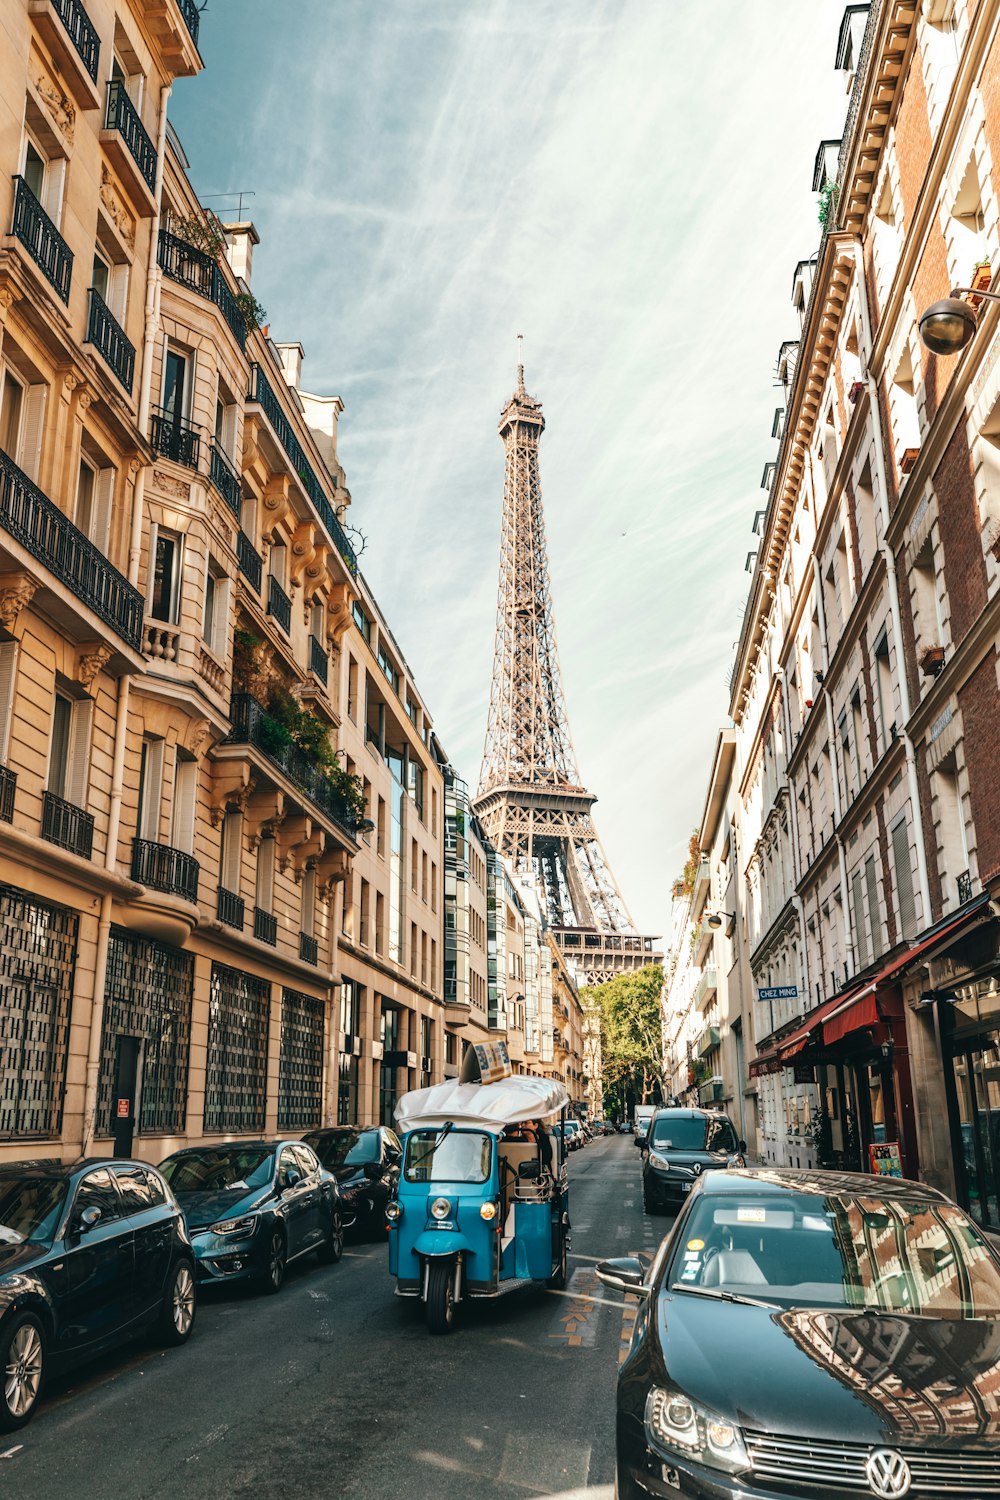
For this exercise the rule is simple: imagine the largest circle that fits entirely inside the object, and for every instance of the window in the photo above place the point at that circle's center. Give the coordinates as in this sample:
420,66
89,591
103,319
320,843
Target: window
264,890
415,786
967,239
94,490
164,598
231,855
69,753
904,879
185,802
8,682
22,416
352,688
860,930
939,54
133,1185
926,599
363,623
110,281
215,626
887,232
308,911
150,787
949,817
278,563
364,932
98,1191
125,69
905,410
43,172
175,400
389,671
225,421
884,699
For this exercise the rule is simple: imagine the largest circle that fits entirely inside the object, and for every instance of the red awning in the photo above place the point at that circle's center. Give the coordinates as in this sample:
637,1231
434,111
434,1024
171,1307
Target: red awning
767,1062
852,1016
930,942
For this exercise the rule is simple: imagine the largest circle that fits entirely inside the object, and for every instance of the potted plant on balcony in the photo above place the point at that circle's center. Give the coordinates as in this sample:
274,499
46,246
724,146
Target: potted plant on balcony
931,660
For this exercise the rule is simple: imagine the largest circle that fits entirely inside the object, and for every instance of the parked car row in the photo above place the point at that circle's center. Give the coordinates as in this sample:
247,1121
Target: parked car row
98,1252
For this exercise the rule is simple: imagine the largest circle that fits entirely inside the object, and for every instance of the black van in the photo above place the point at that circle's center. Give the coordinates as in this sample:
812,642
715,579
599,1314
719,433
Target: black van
680,1145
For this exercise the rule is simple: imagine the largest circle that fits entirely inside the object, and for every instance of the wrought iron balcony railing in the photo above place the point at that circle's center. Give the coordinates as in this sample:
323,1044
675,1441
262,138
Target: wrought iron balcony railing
200,271
31,518
165,869
279,606
108,337
123,116
319,662
225,478
81,32
964,884
308,949
192,17
253,725
175,437
8,785
261,392
250,561
231,909
68,826
42,240
265,926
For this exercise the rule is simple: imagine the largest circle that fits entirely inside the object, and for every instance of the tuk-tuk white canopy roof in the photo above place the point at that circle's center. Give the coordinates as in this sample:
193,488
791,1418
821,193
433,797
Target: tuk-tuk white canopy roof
481,1106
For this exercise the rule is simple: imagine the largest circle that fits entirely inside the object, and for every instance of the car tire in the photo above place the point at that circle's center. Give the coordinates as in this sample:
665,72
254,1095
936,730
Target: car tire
440,1296
22,1370
180,1300
271,1277
332,1248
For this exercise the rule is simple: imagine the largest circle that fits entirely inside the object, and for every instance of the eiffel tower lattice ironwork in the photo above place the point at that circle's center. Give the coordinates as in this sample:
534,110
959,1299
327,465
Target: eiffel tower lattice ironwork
531,801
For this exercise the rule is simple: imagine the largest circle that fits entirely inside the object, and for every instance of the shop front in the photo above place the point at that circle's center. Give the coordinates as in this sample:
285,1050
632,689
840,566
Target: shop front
970,1027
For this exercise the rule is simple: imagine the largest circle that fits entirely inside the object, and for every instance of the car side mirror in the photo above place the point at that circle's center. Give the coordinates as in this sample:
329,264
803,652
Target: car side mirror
625,1274
88,1218
742,1145
374,1171
292,1179
640,1141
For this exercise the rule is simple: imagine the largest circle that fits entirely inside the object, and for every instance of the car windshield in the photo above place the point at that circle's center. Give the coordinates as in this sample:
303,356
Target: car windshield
216,1171
691,1133
30,1208
447,1156
348,1148
809,1250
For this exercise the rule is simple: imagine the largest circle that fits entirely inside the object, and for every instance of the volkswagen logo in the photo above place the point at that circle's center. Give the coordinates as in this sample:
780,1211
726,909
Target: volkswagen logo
696,1169
888,1474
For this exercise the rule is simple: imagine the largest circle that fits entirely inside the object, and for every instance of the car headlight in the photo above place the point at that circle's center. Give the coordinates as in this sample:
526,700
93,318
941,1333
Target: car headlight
658,1161
440,1208
677,1425
243,1226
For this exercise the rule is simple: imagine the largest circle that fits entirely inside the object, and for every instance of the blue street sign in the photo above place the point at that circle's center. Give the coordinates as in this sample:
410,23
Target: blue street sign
779,992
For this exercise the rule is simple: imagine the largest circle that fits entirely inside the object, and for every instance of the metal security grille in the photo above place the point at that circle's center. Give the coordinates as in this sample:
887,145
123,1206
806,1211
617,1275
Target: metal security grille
300,1070
239,1007
37,961
148,995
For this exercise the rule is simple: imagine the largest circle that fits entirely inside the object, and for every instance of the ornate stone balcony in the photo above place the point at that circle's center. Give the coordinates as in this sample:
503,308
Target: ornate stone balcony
74,43
175,438
265,926
67,826
225,478
230,909
129,148
201,273
163,868
251,563
108,338
253,725
42,240
279,606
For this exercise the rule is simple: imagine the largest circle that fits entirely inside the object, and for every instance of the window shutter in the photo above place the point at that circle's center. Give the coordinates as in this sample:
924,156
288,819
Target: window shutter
152,790
871,880
100,528
185,799
904,879
8,678
232,841
860,935
32,424
118,293
78,762
265,874
52,189
309,902
229,429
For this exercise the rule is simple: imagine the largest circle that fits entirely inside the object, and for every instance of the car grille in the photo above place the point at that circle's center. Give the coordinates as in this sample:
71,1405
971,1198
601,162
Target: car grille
800,1462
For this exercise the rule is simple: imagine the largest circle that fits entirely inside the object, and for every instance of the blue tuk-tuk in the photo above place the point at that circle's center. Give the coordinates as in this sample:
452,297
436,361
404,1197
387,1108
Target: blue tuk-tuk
482,1206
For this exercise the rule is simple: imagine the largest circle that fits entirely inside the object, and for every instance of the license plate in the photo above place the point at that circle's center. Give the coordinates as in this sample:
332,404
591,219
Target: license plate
688,1186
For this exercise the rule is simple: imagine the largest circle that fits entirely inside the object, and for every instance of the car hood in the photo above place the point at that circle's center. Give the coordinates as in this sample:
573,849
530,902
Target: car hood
202,1209
880,1377
690,1158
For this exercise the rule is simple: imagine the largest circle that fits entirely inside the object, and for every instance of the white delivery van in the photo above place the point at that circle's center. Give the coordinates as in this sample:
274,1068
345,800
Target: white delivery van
642,1118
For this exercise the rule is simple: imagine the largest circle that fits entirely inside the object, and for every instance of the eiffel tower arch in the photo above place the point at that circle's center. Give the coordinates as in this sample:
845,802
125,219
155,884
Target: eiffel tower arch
531,800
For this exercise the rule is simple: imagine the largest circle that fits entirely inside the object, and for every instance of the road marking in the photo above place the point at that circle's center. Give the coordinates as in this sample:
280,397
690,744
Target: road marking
579,1324
629,1203
11,1451
318,1296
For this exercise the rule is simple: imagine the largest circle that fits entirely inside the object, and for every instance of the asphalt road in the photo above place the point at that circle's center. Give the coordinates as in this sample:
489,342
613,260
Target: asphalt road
335,1388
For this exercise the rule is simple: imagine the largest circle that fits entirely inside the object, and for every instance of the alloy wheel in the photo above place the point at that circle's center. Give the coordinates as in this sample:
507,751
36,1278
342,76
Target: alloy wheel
183,1300
23,1374
336,1237
276,1260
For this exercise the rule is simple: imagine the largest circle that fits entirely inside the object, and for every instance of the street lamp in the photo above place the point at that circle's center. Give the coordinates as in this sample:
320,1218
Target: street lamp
948,325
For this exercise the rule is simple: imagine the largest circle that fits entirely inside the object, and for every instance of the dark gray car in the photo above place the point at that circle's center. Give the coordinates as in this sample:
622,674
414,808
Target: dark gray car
680,1145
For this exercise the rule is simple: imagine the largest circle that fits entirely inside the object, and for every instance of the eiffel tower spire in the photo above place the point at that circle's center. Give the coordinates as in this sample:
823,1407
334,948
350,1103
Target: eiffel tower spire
531,800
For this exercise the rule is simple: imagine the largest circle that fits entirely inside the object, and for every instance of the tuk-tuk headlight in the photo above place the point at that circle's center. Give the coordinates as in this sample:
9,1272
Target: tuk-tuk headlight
440,1209
393,1212
488,1211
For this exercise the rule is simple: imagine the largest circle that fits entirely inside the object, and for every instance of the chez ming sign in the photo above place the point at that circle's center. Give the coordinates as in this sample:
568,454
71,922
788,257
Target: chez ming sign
779,992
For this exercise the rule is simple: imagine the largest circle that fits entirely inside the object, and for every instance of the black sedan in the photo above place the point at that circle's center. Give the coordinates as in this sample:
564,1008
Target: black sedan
680,1145
91,1255
810,1334
254,1206
365,1161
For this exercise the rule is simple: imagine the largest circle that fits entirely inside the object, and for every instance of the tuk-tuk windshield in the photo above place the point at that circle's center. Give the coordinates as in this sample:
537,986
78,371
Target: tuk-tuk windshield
447,1156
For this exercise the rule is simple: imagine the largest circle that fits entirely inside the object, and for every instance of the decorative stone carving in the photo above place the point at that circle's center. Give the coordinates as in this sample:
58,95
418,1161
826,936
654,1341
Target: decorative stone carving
16,590
338,611
232,788
8,296
199,736
168,485
58,104
92,659
115,208
275,496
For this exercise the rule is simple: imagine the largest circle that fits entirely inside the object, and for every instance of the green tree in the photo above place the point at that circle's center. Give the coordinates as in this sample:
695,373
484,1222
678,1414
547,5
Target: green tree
631,1038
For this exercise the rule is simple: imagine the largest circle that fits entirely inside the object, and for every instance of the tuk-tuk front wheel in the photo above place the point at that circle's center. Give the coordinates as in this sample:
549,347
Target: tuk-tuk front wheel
441,1296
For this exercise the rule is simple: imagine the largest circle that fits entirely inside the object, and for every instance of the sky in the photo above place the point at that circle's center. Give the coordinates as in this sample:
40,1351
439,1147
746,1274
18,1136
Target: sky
627,183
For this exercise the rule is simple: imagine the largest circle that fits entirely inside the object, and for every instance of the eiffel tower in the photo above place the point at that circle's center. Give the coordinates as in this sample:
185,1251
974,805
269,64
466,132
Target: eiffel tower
531,801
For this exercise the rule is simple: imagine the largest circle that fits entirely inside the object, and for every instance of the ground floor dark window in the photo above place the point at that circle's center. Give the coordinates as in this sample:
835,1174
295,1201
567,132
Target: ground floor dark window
347,1091
975,1066
388,1072
147,995
300,1068
37,964
239,1007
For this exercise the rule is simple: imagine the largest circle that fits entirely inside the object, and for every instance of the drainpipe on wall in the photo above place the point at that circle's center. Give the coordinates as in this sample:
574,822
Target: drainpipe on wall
892,585
152,310
779,673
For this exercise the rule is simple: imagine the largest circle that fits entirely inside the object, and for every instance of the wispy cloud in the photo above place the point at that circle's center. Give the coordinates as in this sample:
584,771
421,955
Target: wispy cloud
627,184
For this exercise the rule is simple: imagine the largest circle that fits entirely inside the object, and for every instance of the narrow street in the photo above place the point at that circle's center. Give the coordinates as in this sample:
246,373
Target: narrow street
334,1387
